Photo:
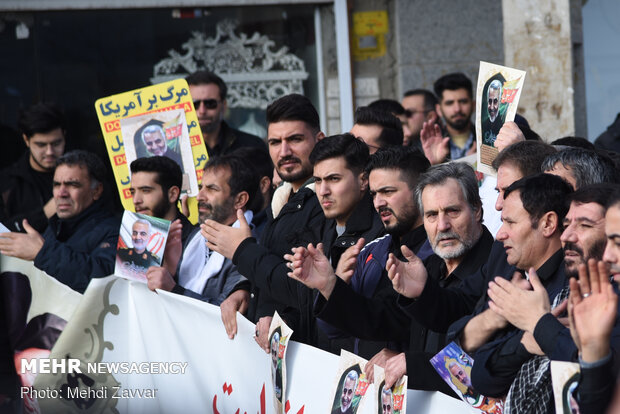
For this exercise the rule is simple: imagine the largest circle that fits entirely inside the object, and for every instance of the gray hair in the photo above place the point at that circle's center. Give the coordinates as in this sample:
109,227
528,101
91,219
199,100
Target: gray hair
588,167
153,128
352,375
463,173
496,85
142,221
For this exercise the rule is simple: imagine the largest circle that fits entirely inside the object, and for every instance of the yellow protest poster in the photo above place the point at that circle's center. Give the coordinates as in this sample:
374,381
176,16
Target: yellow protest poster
369,30
154,120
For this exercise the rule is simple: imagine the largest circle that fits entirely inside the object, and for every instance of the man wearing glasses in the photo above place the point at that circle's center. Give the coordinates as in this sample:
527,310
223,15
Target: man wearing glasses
208,92
419,107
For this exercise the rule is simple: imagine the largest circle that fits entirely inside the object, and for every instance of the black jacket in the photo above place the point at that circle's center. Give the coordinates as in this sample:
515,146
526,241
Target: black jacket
380,317
80,248
274,280
23,193
497,362
299,222
230,139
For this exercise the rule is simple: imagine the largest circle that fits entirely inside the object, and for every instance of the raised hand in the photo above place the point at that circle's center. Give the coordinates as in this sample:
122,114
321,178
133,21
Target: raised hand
348,261
408,278
522,308
508,135
226,239
435,146
310,267
174,247
593,307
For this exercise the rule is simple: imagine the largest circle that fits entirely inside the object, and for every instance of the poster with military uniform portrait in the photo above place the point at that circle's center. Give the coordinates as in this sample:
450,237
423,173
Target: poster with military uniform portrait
497,98
279,335
141,244
351,384
390,400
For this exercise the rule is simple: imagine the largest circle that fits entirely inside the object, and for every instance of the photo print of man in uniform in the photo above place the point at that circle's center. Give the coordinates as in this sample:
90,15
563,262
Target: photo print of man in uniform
493,112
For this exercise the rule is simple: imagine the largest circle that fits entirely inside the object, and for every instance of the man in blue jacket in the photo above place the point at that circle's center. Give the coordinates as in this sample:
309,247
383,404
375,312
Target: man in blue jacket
80,240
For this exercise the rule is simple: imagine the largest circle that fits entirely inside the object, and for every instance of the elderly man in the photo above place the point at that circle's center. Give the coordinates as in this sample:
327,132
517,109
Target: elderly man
154,139
138,256
348,391
80,241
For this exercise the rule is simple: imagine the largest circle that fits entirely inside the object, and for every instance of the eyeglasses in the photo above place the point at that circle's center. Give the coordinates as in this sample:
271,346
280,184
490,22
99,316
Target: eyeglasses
208,103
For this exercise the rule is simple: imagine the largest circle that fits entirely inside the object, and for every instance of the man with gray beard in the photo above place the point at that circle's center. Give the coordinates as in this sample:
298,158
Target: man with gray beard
448,201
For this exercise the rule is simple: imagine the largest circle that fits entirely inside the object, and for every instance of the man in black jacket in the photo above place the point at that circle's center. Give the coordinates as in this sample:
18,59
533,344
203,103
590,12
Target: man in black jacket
80,240
26,186
208,92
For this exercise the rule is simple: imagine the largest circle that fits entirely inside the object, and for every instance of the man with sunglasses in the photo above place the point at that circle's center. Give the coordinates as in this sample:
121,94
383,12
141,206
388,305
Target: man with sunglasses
208,92
419,107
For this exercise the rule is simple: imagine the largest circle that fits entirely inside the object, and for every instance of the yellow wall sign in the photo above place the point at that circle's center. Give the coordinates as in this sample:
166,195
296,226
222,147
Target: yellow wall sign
369,29
167,96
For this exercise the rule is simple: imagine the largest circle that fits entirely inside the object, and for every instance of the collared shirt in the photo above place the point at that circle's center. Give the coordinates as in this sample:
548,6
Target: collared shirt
457,152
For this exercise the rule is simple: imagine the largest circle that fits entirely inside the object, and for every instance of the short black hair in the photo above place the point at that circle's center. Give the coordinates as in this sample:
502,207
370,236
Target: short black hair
577,142
388,105
90,161
430,100
452,82
41,118
354,151
242,175
527,156
410,161
614,197
541,193
168,173
600,194
391,128
261,163
294,107
259,160
204,77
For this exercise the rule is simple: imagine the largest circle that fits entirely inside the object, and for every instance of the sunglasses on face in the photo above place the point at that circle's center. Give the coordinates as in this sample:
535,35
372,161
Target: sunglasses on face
208,103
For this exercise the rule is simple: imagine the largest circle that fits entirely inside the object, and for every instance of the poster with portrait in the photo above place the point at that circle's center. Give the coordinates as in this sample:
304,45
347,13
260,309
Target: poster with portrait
454,366
149,100
351,384
497,99
279,335
141,244
565,378
390,400
164,134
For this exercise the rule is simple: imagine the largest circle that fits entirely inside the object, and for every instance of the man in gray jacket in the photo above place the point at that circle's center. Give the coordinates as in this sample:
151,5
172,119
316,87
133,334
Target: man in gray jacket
228,185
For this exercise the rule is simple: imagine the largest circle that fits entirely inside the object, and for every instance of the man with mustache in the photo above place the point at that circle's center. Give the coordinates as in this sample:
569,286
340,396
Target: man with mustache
493,123
349,386
228,185
80,240
138,255
295,216
208,92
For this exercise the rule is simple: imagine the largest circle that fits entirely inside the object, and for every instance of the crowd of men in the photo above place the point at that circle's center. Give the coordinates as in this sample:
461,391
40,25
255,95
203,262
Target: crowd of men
375,241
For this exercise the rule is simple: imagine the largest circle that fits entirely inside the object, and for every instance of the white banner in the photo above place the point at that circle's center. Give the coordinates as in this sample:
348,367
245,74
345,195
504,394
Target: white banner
146,352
